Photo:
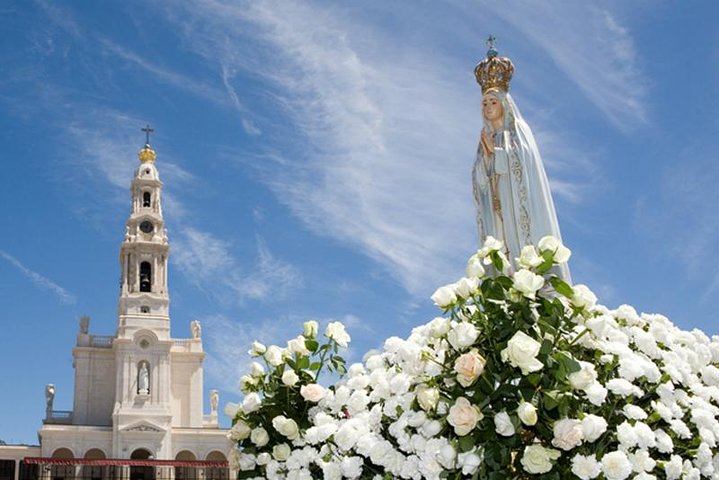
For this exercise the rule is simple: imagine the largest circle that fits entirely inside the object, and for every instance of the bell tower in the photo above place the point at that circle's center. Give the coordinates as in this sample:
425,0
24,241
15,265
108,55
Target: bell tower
143,347
144,299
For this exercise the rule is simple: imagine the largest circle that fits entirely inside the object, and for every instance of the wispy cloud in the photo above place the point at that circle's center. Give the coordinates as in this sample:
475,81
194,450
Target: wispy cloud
204,258
680,219
186,83
591,47
40,281
383,141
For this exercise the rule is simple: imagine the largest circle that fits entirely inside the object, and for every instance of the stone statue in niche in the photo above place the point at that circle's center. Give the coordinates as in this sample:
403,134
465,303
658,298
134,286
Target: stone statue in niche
84,324
214,401
143,380
49,396
196,329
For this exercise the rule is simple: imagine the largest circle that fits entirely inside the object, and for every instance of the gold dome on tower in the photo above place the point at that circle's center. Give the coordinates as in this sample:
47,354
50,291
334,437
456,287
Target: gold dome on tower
146,153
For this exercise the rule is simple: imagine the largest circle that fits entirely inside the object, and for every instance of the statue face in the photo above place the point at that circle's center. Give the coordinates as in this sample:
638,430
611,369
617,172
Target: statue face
492,108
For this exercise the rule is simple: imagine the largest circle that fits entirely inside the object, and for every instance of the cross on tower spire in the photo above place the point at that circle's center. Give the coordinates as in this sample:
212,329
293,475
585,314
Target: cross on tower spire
147,131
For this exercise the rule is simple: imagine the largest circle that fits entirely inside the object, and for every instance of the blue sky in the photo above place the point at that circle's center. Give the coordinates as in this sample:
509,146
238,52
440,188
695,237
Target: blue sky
316,159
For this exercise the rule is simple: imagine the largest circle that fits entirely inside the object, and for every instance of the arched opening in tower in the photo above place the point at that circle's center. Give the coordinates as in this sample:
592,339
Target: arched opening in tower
145,277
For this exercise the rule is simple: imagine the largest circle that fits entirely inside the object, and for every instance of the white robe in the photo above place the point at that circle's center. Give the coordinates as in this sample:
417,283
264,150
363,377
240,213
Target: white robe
526,212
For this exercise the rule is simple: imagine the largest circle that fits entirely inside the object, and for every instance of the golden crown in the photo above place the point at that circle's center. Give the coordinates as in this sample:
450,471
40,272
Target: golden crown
146,154
494,71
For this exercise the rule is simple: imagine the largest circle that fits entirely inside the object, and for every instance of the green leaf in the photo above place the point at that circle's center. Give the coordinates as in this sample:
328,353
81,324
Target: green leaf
315,366
534,378
568,363
303,362
466,443
496,261
546,347
550,400
562,287
312,345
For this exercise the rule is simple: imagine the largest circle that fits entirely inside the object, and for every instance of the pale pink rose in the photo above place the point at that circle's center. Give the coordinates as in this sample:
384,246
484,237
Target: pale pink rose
469,367
463,416
312,392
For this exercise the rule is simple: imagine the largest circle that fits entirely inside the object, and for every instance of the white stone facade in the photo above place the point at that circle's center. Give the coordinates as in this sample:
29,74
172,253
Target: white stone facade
138,390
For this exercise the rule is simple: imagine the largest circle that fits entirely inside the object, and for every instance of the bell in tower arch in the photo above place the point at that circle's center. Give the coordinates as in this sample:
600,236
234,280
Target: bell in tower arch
145,277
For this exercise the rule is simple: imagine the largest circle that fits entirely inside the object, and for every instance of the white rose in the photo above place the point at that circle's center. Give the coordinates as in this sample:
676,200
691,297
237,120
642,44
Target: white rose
586,467
263,458
281,452
491,244
443,297
231,409
529,258
673,467
567,434
446,456
286,426
431,428
427,397
593,427
527,283
311,328
239,431
585,377
537,459
560,253
474,267
439,327
633,412
251,402
596,394
641,461
289,378
466,287
521,352
548,243
469,367
297,345
274,355
462,335
256,369
527,413
259,437
246,382
583,297
616,465
503,424
312,392
246,462
469,461
257,349
463,416
336,331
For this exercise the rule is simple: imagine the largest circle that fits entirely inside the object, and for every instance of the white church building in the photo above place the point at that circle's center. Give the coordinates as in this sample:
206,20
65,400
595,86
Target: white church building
138,411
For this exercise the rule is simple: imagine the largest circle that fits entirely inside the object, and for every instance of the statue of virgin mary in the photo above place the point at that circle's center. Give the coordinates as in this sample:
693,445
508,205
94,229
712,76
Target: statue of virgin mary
511,190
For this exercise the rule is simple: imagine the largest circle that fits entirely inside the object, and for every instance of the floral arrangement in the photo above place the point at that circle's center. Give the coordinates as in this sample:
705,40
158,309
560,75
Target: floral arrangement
523,377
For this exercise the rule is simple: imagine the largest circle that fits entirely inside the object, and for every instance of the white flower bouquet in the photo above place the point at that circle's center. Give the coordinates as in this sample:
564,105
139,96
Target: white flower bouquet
524,377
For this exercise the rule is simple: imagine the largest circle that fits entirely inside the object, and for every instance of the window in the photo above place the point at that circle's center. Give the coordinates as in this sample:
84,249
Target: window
144,309
146,199
145,277
7,469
